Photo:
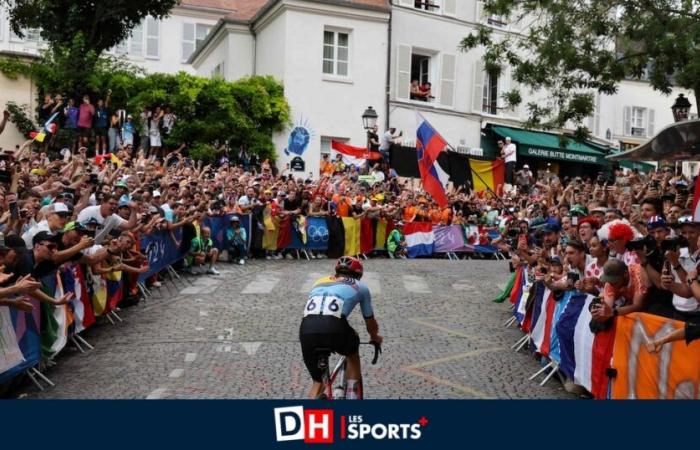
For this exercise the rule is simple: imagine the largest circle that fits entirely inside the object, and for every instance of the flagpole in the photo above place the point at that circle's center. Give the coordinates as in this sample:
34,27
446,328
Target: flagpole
479,177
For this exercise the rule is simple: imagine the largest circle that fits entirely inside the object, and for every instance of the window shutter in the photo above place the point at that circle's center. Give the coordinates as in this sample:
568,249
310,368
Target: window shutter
136,44
188,37
449,7
479,13
650,125
627,121
403,72
515,86
596,116
478,93
447,82
152,38
503,87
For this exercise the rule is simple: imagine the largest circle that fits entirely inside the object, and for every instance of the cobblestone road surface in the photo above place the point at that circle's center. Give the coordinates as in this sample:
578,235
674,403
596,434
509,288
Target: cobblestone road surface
235,336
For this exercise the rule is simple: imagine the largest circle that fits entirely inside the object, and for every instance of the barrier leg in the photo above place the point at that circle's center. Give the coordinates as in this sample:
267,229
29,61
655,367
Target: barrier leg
520,341
110,319
306,254
80,339
114,314
555,370
42,376
36,383
75,342
510,322
523,344
542,370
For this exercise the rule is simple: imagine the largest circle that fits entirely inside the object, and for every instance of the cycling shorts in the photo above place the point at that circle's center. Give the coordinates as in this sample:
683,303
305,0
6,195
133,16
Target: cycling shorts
326,332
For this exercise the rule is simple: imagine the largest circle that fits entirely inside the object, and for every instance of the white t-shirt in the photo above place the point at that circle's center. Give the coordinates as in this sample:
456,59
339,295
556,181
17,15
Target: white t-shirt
510,153
385,141
30,233
688,262
108,223
379,176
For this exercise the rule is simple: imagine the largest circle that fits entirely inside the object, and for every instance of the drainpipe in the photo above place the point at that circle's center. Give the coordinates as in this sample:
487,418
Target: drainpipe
388,67
255,50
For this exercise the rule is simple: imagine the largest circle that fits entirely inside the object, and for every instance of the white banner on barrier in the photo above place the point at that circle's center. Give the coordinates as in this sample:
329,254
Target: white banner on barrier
10,354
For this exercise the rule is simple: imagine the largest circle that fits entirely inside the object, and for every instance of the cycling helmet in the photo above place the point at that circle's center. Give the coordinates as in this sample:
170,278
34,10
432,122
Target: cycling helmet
350,266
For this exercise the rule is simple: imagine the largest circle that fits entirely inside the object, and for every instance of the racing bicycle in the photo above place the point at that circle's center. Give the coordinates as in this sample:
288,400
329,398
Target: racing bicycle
337,377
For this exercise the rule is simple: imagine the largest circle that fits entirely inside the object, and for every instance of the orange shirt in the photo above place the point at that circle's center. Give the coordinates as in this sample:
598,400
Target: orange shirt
435,216
446,216
409,213
343,208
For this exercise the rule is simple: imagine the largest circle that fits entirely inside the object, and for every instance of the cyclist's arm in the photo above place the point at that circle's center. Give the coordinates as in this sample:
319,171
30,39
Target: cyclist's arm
368,315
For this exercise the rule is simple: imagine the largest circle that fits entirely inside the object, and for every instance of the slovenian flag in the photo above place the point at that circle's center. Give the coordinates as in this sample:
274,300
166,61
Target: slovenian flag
429,145
420,239
584,355
542,319
696,201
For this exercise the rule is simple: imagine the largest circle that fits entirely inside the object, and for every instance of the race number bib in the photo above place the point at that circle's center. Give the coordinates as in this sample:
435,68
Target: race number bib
324,306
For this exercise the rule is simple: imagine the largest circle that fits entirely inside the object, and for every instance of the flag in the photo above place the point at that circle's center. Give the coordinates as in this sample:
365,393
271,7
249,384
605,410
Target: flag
55,320
367,235
543,317
354,152
352,236
113,158
74,281
486,175
506,291
420,239
584,355
696,201
429,145
10,354
284,236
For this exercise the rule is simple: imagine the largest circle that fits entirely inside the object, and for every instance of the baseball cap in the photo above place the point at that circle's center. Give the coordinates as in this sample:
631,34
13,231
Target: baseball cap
60,208
656,222
74,226
121,184
687,220
578,210
123,204
44,236
156,193
13,242
613,271
526,166
235,219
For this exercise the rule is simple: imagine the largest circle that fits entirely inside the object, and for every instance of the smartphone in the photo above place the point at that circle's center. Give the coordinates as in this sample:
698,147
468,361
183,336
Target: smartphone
667,267
574,221
636,209
5,176
93,178
14,211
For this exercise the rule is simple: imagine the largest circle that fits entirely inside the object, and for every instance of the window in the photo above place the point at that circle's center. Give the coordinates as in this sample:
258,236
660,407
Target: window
497,21
30,35
152,38
421,74
489,102
427,5
192,37
336,53
218,71
638,122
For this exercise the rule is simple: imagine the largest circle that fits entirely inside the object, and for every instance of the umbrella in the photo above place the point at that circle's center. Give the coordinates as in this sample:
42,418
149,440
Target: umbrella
676,142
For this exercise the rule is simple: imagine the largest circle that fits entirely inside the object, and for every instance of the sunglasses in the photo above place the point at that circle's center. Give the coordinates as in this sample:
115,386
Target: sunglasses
49,246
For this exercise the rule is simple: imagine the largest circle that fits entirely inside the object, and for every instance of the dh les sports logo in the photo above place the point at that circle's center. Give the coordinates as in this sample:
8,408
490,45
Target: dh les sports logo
316,426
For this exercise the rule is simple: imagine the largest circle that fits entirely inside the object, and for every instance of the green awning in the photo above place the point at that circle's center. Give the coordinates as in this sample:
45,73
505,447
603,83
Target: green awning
639,165
538,144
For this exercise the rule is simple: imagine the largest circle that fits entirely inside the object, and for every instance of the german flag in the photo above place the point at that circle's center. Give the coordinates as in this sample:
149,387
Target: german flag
487,175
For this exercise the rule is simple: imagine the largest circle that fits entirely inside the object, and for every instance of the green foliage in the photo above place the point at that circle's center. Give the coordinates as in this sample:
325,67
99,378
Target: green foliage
244,113
20,116
572,49
203,152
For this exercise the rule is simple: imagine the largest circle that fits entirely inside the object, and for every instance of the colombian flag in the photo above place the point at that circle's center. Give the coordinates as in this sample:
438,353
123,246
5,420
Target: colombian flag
487,175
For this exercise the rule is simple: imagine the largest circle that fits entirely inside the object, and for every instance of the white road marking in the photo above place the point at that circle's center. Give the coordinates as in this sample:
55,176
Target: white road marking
204,313
371,279
156,394
177,373
251,347
414,283
199,329
190,357
263,284
309,283
462,286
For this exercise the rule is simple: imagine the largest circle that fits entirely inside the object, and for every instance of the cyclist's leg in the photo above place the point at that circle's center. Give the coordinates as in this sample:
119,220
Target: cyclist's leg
309,343
354,377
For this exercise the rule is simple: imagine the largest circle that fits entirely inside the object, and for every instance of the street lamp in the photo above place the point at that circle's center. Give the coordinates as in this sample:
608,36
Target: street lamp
681,108
369,118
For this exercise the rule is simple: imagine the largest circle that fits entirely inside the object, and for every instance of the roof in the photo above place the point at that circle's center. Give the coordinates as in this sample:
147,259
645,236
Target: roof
224,5
248,10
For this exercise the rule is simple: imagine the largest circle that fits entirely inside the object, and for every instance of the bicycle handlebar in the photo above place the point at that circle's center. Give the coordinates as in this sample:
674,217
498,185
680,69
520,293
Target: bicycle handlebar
377,351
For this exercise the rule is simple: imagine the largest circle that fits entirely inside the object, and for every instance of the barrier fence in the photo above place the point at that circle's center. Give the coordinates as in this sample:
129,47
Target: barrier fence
612,362
26,338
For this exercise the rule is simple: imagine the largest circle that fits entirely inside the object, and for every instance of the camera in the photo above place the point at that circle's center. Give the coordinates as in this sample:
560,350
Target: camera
572,277
673,244
646,243
595,304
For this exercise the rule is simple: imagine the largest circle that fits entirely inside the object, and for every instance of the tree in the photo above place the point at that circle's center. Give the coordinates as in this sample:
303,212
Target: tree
78,31
572,49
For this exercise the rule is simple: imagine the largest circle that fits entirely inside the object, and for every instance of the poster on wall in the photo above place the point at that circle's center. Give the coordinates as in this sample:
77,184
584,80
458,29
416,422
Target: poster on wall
299,138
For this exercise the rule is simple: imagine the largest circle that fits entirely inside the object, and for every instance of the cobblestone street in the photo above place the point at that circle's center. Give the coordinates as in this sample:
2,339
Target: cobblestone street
235,336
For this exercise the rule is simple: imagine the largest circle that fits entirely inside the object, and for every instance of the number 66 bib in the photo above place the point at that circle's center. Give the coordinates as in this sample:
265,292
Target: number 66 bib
324,306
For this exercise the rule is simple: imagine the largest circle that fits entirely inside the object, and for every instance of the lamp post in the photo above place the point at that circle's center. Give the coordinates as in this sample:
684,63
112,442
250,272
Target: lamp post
369,120
681,108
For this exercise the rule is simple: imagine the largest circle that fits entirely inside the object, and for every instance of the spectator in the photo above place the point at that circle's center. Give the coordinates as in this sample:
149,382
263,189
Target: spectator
85,117
396,243
105,215
71,113
102,119
388,139
417,93
237,241
509,154
55,221
624,290
202,251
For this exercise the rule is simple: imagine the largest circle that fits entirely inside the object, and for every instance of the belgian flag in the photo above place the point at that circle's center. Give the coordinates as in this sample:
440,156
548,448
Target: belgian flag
487,175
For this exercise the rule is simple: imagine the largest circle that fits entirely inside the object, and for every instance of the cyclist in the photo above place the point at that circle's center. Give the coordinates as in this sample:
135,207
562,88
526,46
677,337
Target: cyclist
325,323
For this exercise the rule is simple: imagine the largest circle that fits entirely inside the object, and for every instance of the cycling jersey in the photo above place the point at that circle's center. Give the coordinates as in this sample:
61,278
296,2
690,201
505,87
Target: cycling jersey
337,297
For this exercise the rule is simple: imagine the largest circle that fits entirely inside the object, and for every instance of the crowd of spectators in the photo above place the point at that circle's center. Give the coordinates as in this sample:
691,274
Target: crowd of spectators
627,237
